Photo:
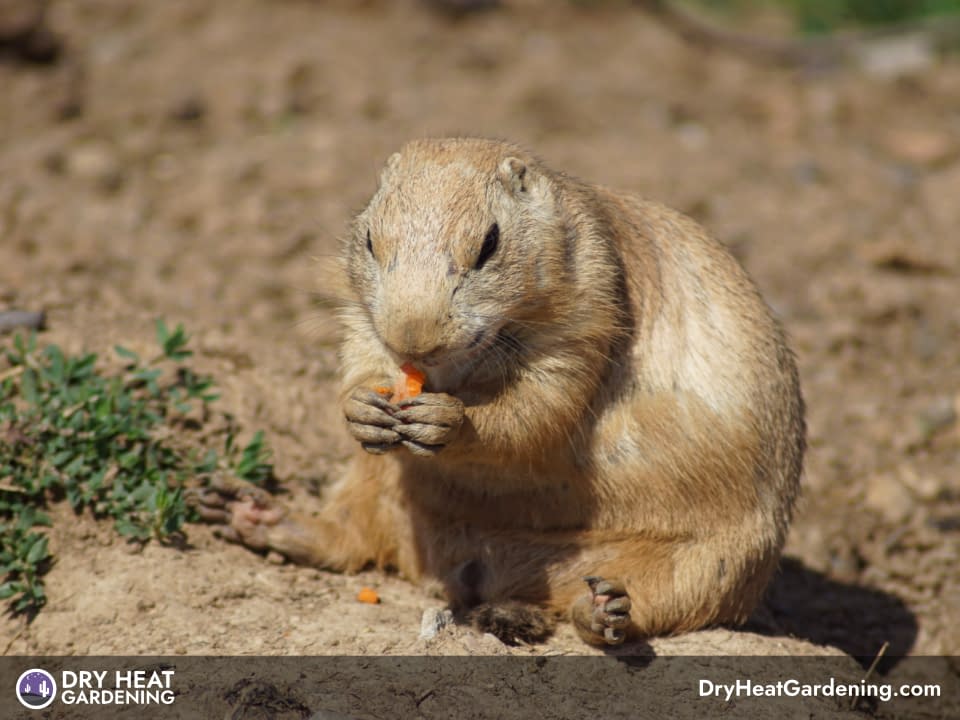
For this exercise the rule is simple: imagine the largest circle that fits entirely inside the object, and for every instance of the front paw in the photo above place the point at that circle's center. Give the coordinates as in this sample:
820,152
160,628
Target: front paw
428,422
371,421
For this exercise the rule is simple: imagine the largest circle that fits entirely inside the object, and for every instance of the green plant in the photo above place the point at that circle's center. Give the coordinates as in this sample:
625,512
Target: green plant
817,16
116,445
820,16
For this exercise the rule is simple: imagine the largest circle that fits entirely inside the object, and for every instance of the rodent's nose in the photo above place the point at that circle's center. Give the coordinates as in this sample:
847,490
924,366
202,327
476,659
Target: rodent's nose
424,355
414,340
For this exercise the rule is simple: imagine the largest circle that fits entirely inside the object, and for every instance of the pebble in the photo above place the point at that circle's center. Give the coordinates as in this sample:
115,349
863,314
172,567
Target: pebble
925,487
188,109
98,163
926,147
938,415
897,55
433,621
888,496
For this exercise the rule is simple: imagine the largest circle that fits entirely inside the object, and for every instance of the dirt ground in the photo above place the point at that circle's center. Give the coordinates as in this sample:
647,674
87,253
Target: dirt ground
196,160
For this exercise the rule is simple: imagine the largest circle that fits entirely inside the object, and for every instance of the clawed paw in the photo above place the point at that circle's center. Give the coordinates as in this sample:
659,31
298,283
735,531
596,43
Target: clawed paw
603,616
371,421
244,512
429,422
424,424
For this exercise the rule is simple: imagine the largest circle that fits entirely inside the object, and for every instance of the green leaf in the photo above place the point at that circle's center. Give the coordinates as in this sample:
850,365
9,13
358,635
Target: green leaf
131,529
29,517
55,370
38,551
254,464
28,387
163,334
128,354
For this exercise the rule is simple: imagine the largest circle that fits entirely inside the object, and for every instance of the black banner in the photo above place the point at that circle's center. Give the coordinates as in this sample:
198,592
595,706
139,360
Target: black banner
555,687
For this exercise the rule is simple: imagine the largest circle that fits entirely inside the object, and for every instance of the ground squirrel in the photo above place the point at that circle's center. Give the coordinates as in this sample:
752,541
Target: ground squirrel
607,399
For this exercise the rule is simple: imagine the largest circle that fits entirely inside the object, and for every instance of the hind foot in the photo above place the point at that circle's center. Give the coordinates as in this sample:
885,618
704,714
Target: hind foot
602,616
512,622
244,512
250,516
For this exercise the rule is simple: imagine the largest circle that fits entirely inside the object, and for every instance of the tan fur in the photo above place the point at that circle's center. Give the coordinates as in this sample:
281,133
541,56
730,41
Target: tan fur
637,417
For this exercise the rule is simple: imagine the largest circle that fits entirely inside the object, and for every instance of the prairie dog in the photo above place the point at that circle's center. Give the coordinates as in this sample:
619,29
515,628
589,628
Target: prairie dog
607,399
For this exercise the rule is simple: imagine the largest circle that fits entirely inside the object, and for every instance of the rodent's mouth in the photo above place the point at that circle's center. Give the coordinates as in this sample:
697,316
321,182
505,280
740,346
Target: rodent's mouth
451,368
477,351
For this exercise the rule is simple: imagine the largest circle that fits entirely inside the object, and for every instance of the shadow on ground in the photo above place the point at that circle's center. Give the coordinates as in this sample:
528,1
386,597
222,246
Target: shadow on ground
806,604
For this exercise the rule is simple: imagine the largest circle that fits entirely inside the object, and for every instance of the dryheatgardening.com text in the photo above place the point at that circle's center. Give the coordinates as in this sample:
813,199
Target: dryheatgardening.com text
794,688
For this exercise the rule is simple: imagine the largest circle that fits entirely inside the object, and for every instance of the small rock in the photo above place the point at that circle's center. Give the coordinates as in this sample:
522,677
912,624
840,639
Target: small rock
925,343
189,109
693,135
305,90
921,147
888,496
807,172
433,621
900,256
11,320
96,162
925,487
938,415
896,55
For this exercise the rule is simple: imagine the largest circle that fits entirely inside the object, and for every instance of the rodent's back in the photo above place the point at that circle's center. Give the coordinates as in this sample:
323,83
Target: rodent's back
702,331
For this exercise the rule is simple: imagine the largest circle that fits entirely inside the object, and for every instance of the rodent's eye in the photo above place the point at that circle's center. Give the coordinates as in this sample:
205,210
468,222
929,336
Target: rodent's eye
489,247
370,245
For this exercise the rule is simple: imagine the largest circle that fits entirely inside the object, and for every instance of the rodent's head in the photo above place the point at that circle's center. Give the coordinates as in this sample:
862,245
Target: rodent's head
461,243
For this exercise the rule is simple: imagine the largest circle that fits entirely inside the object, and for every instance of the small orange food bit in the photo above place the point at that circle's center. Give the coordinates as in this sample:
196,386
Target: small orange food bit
381,390
368,595
409,384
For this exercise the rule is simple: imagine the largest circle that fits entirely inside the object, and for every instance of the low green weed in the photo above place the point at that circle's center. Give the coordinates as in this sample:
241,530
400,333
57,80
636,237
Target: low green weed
114,445
822,16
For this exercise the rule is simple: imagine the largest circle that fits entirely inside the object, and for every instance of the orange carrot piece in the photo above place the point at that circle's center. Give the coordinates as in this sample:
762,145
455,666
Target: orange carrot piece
409,384
368,595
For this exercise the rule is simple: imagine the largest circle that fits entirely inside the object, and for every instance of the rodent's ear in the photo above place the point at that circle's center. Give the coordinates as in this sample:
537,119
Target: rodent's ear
513,174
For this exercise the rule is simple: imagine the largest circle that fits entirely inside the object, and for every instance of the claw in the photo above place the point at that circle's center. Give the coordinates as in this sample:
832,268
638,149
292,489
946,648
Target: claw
606,611
421,449
614,636
379,448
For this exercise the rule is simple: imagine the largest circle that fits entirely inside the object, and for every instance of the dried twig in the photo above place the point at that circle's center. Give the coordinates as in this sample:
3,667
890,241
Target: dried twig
873,666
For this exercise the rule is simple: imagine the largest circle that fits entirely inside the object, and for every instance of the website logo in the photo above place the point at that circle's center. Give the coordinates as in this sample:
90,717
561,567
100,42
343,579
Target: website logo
36,689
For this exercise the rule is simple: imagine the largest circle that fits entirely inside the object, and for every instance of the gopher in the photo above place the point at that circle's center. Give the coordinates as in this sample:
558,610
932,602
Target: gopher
611,429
